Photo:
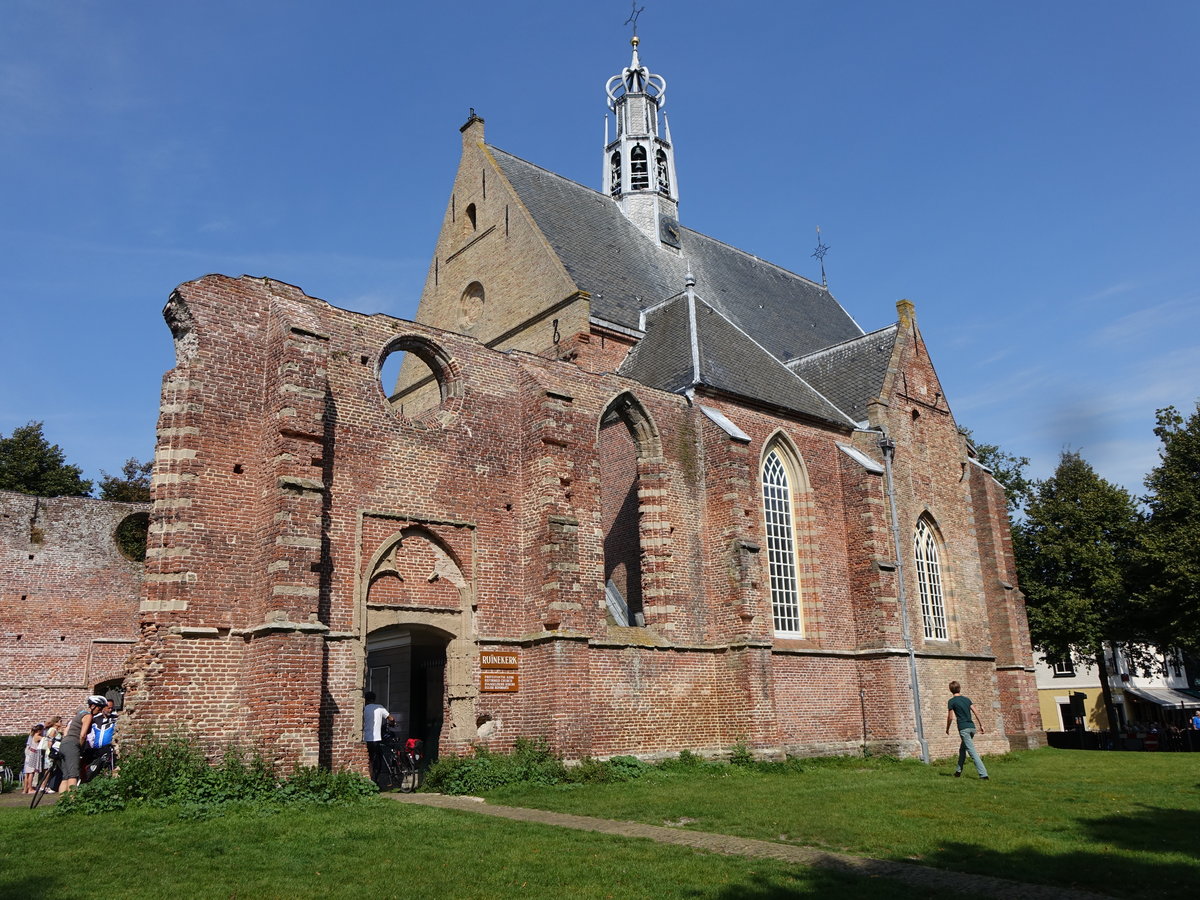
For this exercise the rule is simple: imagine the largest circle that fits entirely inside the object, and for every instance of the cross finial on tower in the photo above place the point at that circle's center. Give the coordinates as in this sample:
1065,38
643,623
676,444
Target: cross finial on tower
819,255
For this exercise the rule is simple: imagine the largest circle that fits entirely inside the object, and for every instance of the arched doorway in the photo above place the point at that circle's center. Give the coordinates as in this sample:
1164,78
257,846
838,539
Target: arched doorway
406,669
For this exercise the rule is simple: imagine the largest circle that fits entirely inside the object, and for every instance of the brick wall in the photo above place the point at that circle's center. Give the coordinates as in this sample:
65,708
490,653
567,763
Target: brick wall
68,603
298,518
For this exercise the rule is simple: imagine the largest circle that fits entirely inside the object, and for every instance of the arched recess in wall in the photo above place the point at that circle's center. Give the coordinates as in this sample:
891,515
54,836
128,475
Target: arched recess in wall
419,641
787,523
639,169
930,568
627,443
420,382
470,305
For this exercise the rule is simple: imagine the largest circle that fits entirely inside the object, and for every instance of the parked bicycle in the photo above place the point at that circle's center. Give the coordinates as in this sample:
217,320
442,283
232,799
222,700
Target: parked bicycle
403,762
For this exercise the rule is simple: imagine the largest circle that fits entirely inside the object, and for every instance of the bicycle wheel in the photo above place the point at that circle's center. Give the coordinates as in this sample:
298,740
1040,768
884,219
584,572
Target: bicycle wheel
410,776
43,785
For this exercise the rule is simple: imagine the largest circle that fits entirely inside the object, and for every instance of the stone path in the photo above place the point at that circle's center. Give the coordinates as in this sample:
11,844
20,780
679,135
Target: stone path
909,873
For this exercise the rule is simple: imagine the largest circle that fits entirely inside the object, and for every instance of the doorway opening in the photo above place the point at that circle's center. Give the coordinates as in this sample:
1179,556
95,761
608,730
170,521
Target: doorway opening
406,669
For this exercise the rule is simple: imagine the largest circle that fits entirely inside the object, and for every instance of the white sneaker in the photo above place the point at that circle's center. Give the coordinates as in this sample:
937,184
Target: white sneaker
51,791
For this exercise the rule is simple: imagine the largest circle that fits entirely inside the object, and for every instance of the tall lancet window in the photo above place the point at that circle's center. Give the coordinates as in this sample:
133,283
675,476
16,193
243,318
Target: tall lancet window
664,174
929,582
639,170
614,177
781,545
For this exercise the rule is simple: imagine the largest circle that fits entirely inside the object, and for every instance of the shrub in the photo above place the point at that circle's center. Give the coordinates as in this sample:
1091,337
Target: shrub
531,762
172,770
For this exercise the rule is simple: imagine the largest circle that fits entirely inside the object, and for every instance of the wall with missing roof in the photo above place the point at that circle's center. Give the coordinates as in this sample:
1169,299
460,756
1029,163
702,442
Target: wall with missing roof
68,603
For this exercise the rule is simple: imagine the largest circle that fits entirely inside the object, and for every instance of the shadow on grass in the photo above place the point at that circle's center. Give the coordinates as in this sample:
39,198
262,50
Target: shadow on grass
821,883
1099,871
1151,829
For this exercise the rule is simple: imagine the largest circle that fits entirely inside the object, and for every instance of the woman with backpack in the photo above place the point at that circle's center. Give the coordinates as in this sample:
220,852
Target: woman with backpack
76,737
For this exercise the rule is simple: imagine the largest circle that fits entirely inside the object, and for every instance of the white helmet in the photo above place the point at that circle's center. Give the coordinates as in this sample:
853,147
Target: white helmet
97,700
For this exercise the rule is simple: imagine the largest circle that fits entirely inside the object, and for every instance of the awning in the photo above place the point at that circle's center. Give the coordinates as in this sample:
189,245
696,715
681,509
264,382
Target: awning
1164,696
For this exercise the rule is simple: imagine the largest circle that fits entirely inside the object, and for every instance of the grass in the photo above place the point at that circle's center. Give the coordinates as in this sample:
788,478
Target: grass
1126,824
378,848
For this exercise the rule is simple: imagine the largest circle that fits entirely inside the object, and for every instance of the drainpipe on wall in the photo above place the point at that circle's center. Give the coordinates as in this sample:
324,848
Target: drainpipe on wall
888,446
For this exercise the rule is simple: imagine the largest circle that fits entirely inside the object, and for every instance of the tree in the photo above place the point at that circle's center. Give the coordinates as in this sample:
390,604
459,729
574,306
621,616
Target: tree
1007,469
1170,542
1073,555
133,486
32,465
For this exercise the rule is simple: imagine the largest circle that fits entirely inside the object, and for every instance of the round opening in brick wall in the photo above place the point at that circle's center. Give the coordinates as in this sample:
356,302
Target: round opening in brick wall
420,382
130,536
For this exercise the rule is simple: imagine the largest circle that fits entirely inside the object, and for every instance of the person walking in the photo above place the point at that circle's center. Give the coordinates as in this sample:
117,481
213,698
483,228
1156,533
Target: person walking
959,708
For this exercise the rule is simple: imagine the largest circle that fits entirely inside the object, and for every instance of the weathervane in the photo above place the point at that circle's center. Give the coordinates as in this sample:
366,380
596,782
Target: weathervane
633,16
819,254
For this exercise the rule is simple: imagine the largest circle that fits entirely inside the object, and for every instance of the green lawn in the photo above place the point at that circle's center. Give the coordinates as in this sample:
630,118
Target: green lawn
379,848
1126,824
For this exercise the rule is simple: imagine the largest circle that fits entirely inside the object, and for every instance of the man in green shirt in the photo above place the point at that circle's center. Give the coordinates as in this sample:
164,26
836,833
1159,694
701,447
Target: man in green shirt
960,708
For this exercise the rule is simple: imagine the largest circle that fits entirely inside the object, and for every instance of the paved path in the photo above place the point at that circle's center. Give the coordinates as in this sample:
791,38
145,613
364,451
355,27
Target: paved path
909,873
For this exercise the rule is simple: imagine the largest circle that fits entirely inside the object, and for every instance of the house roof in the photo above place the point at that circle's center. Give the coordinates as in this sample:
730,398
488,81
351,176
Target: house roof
690,343
851,373
626,272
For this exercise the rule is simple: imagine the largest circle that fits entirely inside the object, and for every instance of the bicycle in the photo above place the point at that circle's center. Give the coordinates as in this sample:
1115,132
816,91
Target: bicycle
101,762
403,765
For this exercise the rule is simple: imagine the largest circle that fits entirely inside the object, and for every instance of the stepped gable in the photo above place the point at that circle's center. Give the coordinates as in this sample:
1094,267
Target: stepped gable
851,373
626,272
688,343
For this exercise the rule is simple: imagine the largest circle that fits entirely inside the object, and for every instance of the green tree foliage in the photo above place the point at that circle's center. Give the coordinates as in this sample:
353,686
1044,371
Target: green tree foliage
133,484
1170,542
1073,553
30,464
1007,469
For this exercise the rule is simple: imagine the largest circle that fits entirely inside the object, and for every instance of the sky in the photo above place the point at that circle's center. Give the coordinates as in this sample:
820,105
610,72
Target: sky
1025,172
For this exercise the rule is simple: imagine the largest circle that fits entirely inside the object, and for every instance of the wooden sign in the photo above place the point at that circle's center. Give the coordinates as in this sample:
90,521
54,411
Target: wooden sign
498,682
498,659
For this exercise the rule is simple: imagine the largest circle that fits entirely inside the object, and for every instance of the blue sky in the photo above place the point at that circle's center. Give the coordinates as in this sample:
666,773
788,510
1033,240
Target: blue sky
1024,172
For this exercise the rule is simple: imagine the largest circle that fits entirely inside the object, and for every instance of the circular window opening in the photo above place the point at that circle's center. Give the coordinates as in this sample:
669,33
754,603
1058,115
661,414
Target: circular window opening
130,536
414,377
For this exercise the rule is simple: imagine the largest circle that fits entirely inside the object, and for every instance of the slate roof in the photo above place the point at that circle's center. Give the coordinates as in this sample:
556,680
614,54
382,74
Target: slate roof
713,352
626,272
850,373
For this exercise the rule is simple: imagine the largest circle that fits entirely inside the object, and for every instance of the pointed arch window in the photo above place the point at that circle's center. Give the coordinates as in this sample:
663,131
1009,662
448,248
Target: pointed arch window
779,517
639,170
929,581
615,173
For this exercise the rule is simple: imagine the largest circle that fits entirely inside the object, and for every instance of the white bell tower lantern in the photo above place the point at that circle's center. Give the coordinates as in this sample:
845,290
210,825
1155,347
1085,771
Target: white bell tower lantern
639,163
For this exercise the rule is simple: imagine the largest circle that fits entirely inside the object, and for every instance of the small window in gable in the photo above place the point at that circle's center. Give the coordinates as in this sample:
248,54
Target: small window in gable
470,306
929,582
472,217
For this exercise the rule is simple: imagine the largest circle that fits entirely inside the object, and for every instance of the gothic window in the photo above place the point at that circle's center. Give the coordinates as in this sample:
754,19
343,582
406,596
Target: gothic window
778,489
615,174
472,221
929,582
639,171
664,176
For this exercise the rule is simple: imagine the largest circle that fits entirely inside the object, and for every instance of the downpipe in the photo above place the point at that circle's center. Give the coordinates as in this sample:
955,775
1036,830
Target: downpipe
888,447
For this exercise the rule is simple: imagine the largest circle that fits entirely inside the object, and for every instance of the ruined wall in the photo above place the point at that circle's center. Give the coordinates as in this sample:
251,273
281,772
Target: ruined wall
68,603
298,517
